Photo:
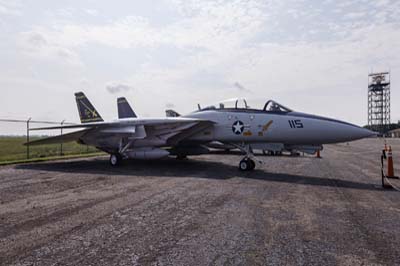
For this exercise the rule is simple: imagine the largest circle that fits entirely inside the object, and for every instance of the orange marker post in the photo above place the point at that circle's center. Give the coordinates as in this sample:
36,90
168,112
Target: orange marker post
390,171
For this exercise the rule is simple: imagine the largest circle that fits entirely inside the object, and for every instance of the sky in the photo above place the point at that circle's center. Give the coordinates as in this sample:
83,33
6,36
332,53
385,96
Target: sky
312,56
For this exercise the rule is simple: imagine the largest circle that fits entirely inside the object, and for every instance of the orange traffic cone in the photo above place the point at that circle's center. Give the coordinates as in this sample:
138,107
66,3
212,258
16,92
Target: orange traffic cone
390,171
318,154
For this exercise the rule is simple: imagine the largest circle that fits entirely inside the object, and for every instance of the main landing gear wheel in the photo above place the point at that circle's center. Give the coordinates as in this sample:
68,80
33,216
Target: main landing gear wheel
247,164
115,159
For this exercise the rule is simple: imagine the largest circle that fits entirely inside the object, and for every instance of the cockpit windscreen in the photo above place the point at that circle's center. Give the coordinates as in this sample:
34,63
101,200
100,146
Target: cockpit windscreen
243,104
272,106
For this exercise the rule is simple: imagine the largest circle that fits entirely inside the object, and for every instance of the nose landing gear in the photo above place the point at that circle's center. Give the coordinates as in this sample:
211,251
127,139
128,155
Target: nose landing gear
247,164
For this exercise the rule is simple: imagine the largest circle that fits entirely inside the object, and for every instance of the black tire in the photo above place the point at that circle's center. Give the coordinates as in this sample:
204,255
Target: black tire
252,164
244,165
115,159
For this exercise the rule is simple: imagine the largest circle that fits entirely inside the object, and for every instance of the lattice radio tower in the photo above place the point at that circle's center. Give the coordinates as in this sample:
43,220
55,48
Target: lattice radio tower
379,101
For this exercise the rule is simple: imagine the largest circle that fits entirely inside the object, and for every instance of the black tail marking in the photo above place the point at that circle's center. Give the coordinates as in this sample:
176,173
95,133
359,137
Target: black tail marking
87,112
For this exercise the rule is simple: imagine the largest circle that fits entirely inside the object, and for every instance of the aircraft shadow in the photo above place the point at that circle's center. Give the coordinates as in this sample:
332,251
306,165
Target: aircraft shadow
188,168
257,154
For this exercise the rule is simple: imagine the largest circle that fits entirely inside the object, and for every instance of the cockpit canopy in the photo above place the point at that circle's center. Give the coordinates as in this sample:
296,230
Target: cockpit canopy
242,104
272,106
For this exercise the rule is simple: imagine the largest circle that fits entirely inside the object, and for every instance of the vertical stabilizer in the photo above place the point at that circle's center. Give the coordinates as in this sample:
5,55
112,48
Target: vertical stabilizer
124,109
87,112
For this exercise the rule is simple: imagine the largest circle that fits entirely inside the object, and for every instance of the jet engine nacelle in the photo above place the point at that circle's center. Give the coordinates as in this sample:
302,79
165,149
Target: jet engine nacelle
189,150
143,154
309,149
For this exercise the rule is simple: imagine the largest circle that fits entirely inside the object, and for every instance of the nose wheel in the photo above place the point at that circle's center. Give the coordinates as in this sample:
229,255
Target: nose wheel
247,164
115,159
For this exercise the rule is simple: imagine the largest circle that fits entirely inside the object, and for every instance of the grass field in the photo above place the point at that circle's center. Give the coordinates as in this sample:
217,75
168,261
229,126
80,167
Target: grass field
12,149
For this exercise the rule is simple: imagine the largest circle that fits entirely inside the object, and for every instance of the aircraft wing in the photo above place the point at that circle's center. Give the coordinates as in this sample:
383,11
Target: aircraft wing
74,136
173,133
171,130
188,131
128,122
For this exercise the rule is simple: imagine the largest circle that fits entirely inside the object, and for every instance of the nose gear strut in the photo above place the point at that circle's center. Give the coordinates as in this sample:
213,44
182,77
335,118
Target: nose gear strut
248,163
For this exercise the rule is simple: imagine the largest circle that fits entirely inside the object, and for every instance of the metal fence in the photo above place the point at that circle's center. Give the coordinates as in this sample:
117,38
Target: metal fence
23,134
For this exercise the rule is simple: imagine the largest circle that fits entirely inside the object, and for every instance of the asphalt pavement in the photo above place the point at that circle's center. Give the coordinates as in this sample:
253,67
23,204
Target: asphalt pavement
203,211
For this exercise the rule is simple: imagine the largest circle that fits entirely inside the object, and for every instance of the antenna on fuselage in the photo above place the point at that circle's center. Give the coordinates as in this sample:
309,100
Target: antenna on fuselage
198,106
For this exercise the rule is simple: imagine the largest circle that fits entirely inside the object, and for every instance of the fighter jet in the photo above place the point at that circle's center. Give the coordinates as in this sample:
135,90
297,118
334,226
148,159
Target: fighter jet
232,123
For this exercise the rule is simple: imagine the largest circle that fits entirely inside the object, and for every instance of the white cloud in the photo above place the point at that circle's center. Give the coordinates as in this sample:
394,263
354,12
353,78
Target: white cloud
36,44
115,88
213,26
382,3
92,12
240,87
211,48
355,15
11,8
169,105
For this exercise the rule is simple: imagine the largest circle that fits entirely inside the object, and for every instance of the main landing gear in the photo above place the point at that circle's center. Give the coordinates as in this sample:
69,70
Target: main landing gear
115,159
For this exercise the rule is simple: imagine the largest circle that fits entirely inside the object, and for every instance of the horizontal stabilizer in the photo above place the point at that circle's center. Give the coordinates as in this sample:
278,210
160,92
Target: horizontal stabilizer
124,109
74,136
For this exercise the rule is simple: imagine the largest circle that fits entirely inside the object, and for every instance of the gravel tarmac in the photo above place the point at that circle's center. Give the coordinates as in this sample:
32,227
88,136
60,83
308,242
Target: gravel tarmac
203,211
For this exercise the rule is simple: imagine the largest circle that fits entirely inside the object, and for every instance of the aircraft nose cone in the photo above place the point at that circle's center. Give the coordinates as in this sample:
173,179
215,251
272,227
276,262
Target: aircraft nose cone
360,133
368,133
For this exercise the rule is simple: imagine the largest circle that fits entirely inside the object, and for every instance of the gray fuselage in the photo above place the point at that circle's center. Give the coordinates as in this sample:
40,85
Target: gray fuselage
269,127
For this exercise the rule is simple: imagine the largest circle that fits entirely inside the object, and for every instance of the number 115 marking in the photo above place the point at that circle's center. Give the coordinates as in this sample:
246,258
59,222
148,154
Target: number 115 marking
296,124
